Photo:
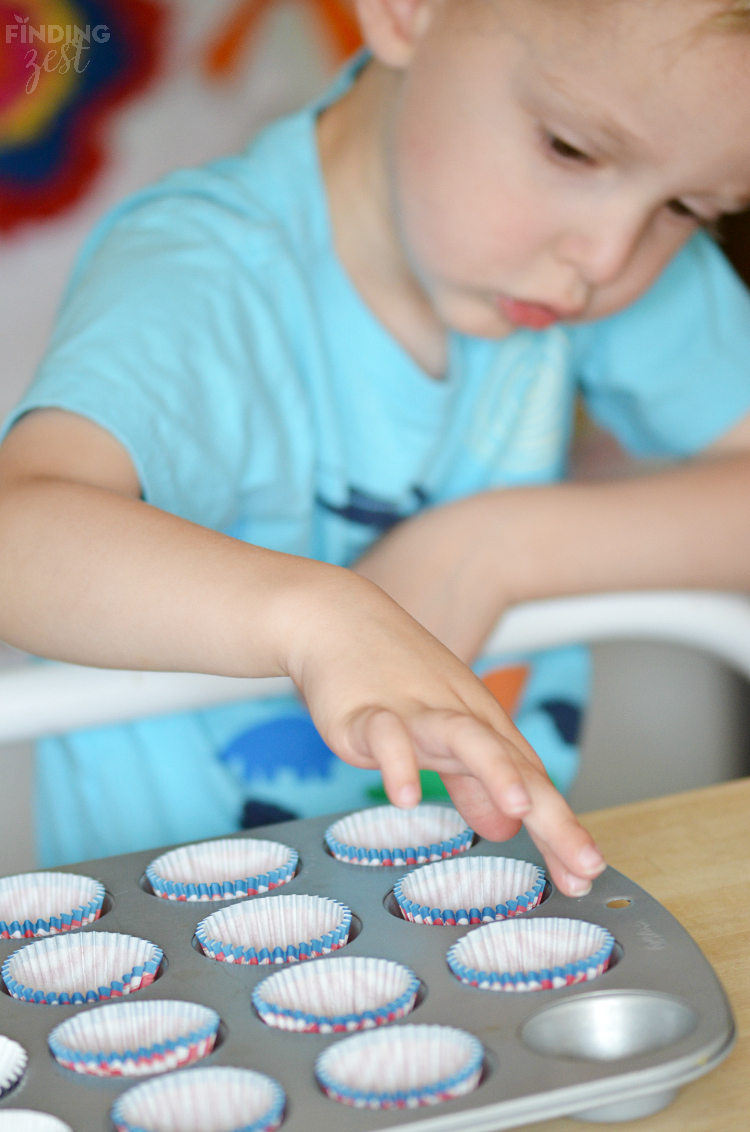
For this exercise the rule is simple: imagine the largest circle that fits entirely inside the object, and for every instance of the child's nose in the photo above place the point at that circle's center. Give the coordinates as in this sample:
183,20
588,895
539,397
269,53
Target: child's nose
601,251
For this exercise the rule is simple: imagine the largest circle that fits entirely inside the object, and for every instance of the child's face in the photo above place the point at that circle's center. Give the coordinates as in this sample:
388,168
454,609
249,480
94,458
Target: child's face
548,158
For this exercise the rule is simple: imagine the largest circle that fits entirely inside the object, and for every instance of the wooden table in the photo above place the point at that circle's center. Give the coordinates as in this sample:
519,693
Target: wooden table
692,852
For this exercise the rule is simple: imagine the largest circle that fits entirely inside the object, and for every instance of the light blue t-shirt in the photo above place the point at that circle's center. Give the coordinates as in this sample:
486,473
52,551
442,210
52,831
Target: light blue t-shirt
210,327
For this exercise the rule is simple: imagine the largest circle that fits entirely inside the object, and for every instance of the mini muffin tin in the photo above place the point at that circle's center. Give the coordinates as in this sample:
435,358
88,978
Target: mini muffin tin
616,1048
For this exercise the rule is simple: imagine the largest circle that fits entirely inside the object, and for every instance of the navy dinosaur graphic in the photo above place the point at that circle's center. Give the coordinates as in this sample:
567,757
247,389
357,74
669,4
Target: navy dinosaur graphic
369,511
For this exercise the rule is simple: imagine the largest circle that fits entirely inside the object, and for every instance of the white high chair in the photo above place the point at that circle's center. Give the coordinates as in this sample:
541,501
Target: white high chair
48,699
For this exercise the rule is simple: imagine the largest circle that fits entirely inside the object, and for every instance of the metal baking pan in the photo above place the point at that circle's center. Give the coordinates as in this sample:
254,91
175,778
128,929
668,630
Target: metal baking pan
616,1048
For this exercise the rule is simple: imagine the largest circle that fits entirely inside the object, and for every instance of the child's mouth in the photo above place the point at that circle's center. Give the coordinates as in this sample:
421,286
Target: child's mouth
534,316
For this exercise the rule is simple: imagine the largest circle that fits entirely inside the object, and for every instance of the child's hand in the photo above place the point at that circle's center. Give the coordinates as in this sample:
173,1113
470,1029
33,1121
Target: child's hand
385,693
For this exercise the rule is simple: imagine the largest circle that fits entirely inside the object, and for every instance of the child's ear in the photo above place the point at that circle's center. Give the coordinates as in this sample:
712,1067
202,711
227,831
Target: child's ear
391,28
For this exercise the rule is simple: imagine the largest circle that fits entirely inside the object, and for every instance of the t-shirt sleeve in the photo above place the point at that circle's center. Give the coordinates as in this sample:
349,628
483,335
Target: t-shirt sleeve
671,373
163,339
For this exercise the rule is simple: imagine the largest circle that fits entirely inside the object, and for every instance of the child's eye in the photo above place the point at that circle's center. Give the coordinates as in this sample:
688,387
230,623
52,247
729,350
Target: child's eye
566,150
679,208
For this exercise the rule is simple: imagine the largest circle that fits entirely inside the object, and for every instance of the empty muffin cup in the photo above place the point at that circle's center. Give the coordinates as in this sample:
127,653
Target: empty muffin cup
279,929
41,904
472,890
403,1067
25,1120
531,955
130,1039
222,870
338,995
386,835
67,970
220,1099
13,1060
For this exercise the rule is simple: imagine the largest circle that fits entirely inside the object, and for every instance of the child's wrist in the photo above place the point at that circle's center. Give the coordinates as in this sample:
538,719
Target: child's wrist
309,612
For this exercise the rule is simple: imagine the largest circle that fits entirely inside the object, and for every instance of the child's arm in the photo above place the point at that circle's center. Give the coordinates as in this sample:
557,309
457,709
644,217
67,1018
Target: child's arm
686,527
94,575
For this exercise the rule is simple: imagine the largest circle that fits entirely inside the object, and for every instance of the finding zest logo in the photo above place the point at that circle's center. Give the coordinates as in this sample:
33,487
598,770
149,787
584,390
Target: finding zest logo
75,43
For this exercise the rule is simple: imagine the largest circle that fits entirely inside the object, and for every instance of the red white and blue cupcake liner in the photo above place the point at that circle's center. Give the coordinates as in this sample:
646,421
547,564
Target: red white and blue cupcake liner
403,1067
68,970
26,1120
215,1099
13,1061
337,996
42,904
222,869
471,890
279,929
530,955
387,835
131,1039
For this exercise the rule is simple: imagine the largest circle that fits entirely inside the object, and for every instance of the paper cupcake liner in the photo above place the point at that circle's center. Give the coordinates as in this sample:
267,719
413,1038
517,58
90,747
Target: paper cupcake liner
531,955
220,1099
67,970
129,1039
338,996
473,890
279,929
386,835
41,904
24,1120
222,870
402,1067
13,1060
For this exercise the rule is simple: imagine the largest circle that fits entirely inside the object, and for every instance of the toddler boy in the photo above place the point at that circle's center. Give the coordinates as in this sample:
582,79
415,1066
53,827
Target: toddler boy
359,345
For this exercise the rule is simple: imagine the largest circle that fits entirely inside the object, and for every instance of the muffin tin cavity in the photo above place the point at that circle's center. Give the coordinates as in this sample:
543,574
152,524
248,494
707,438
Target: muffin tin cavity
221,1099
73,969
130,1039
386,835
337,996
42,904
472,890
609,1027
279,929
222,870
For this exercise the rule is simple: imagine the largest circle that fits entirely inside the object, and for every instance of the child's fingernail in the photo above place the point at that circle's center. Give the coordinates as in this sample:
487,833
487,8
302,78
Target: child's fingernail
577,886
591,860
517,800
408,796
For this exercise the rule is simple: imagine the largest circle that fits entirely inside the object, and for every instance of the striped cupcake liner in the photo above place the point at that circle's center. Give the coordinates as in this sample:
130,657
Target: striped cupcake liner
222,870
130,1039
403,1068
13,1062
43,904
258,932
358,838
26,1120
544,954
219,1099
516,887
340,996
108,965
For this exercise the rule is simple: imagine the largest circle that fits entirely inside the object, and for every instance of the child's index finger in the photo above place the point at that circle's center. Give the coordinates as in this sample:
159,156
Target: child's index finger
518,788
573,857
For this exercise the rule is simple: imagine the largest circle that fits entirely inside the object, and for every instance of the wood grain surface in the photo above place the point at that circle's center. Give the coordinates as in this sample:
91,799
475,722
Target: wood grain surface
692,852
